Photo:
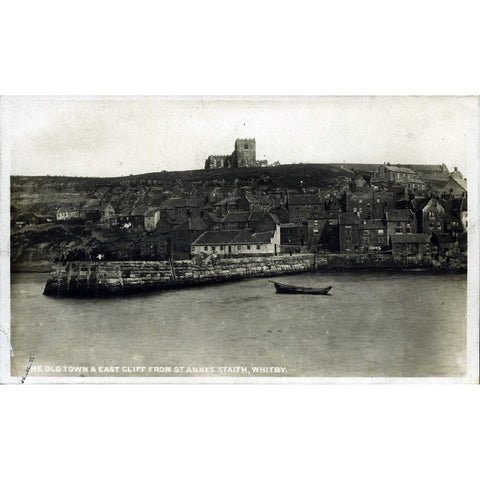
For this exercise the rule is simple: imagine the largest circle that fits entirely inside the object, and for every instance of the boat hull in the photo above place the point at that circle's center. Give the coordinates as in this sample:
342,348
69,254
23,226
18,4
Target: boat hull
292,289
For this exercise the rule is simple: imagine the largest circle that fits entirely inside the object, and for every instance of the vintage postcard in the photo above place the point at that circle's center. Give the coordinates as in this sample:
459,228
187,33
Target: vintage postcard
239,239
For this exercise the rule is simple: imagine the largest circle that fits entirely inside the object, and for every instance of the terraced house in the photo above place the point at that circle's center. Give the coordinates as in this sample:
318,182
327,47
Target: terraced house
400,221
304,207
237,243
372,235
387,174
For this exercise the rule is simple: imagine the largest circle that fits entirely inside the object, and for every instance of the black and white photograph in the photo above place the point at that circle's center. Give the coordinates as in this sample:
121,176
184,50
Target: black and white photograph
241,239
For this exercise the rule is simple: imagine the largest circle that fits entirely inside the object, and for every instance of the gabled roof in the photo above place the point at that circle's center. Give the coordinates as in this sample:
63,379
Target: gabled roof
193,224
228,201
460,181
212,216
429,168
233,237
256,216
163,225
140,211
260,215
92,204
423,202
261,199
245,216
398,169
216,237
178,202
69,208
237,216
178,220
411,238
399,215
251,198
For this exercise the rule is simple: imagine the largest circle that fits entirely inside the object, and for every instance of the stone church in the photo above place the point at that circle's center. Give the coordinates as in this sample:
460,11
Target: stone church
244,156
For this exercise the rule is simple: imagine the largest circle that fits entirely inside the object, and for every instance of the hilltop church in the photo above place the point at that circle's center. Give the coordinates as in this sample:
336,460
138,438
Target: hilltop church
244,156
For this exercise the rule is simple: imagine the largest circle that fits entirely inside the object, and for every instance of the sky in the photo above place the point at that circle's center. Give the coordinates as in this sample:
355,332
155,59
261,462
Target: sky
115,136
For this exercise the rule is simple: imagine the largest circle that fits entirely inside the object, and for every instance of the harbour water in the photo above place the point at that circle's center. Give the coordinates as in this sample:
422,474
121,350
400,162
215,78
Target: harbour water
374,324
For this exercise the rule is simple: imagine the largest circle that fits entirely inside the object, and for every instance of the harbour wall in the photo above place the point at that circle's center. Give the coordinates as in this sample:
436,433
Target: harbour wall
104,278
377,261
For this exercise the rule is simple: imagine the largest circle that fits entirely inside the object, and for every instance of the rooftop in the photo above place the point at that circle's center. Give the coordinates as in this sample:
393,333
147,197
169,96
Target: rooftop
233,237
404,215
227,201
373,224
193,224
237,216
398,169
178,202
460,181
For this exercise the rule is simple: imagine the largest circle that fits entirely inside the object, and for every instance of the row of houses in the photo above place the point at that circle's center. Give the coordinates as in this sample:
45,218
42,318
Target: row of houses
427,216
240,243
393,210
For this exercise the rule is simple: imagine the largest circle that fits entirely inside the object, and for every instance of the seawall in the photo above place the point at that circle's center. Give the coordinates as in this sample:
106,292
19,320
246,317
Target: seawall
87,278
377,261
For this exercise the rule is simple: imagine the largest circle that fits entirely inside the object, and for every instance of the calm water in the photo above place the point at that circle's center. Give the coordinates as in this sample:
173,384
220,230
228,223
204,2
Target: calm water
392,324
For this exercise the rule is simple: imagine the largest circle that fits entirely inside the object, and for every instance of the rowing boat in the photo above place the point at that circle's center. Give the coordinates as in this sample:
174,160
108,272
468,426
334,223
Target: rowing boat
283,288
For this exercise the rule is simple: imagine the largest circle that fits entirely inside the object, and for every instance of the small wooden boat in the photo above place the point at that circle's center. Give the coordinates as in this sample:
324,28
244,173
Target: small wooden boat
282,288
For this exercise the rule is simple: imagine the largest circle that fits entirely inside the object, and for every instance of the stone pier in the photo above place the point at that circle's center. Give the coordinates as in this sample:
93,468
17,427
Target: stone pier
106,278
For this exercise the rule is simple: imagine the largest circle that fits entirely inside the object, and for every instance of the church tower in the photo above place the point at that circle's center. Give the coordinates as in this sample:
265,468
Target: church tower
245,152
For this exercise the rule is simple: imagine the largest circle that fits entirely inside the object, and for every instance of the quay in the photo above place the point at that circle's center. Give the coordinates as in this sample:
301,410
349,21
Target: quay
106,278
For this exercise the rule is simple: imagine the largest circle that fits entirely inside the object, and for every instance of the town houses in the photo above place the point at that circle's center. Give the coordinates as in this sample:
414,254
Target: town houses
397,210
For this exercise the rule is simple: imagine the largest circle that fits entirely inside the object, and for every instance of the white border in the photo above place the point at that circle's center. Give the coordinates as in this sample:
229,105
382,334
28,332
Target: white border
472,373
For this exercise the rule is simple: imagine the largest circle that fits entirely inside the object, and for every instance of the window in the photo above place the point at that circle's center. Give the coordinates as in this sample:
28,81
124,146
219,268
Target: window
205,248
221,247
248,247
246,146
258,247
